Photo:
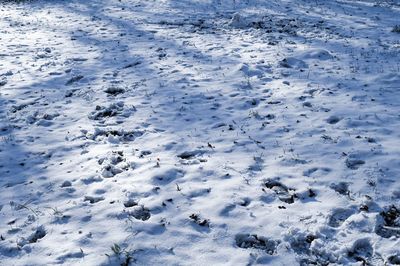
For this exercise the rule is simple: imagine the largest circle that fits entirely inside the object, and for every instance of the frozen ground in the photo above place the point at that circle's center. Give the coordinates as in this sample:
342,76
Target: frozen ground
184,132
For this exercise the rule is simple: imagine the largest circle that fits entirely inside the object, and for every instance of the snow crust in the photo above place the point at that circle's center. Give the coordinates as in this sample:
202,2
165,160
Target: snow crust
194,132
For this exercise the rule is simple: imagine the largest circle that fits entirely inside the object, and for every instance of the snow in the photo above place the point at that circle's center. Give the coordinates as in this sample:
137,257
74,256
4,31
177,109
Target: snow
193,132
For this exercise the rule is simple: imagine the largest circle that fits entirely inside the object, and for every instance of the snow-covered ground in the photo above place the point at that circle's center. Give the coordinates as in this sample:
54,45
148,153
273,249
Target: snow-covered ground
194,132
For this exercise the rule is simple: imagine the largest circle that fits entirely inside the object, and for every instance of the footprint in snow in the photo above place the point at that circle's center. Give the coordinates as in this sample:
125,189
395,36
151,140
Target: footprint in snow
292,62
361,251
113,135
243,202
354,164
394,259
70,255
198,192
292,161
66,183
41,119
113,164
167,176
284,193
139,213
317,171
39,233
338,216
300,241
390,222
74,79
342,188
199,221
114,90
257,242
114,109
190,154
3,82
257,165
333,119
130,203
93,199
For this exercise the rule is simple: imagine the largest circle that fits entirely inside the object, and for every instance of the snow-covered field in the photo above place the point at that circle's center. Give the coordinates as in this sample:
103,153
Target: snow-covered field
195,132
